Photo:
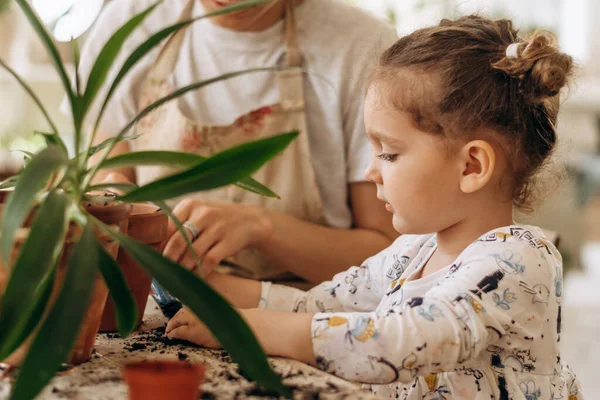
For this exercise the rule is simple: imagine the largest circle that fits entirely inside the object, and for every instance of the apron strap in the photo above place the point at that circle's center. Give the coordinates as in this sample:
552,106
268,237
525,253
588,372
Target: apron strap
167,58
293,54
290,81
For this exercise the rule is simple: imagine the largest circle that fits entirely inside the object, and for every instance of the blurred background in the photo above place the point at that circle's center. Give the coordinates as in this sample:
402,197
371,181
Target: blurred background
572,210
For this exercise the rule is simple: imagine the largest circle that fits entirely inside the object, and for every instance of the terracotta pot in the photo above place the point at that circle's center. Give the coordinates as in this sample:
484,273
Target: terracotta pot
4,195
90,325
148,224
84,345
111,213
160,380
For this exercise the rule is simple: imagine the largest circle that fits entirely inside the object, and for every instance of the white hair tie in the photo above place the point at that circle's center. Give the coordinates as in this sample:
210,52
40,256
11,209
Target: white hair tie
512,51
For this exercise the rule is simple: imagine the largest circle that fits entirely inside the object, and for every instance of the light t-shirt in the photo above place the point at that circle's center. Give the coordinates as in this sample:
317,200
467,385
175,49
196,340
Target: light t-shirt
340,45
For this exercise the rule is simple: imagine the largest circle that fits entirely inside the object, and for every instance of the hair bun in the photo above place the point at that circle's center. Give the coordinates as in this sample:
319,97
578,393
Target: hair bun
542,68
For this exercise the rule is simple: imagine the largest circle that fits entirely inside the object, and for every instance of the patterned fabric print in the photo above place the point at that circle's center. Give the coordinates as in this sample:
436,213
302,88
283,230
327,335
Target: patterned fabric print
487,327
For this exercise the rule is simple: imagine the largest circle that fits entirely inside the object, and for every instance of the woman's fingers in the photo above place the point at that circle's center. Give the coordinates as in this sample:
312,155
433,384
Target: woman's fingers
176,246
182,211
205,241
218,253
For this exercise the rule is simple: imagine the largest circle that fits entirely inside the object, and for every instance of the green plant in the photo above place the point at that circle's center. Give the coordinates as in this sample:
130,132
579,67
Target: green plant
4,5
57,185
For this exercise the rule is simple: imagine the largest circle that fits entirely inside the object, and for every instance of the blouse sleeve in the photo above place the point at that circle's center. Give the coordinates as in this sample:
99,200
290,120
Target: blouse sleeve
495,291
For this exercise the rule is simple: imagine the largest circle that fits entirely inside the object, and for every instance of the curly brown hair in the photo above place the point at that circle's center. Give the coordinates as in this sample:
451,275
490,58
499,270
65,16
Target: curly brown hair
456,78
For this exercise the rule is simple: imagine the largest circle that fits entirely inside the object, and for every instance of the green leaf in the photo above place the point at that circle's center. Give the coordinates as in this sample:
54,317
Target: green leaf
177,160
40,303
95,149
125,187
194,86
181,229
38,254
53,53
10,182
143,49
214,311
32,179
107,57
125,306
219,170
37,101
173,159
178,93
53,139
26,153
76,60
58,332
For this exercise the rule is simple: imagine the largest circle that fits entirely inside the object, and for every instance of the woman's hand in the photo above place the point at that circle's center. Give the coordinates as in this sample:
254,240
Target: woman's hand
223,230
186,326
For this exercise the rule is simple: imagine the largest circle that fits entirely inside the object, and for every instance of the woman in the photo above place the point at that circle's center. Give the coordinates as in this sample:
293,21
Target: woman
328,217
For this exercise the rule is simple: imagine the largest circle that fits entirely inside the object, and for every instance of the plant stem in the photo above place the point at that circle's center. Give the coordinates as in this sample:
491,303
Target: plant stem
31,94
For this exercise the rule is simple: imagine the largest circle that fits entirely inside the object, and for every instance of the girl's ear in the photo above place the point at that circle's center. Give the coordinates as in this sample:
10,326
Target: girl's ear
478,161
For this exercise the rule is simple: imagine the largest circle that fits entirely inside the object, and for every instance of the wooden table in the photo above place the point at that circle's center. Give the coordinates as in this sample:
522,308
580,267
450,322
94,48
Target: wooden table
100,378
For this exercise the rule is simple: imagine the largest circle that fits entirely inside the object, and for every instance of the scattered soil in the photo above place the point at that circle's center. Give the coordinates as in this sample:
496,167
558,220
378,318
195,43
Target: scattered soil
68,393
207,395
136,346
154,341
225,379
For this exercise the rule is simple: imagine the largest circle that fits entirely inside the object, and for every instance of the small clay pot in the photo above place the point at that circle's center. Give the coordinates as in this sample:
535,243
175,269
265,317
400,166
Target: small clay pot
110,212
147,224
160,380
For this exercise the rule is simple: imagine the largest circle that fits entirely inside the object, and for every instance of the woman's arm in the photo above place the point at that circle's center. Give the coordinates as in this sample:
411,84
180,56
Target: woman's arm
316,253
311,251
356,289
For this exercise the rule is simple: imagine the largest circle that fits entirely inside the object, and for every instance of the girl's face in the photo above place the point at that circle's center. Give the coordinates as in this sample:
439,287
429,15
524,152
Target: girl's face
415,172
253,19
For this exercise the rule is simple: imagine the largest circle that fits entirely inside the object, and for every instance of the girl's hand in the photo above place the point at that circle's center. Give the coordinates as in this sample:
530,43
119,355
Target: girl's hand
186,326
223,230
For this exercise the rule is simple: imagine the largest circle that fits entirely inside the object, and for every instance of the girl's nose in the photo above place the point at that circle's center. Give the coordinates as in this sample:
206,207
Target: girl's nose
372,174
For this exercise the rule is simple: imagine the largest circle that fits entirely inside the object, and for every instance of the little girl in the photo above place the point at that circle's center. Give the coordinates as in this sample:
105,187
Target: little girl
461,118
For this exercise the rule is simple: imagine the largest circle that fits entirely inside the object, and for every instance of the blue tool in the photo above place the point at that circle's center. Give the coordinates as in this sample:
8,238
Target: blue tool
169,305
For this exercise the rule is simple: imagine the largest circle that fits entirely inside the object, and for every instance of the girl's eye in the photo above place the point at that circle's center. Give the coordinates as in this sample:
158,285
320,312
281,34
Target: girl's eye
387,157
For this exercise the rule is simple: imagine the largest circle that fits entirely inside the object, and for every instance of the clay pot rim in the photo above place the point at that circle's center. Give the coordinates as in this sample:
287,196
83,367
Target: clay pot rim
109,206
162,368
145,210
158,365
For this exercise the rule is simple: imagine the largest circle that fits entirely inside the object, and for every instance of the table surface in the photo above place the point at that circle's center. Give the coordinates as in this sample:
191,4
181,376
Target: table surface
100,378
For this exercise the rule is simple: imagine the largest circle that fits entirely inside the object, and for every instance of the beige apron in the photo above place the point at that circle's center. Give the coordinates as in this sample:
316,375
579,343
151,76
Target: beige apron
290,174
